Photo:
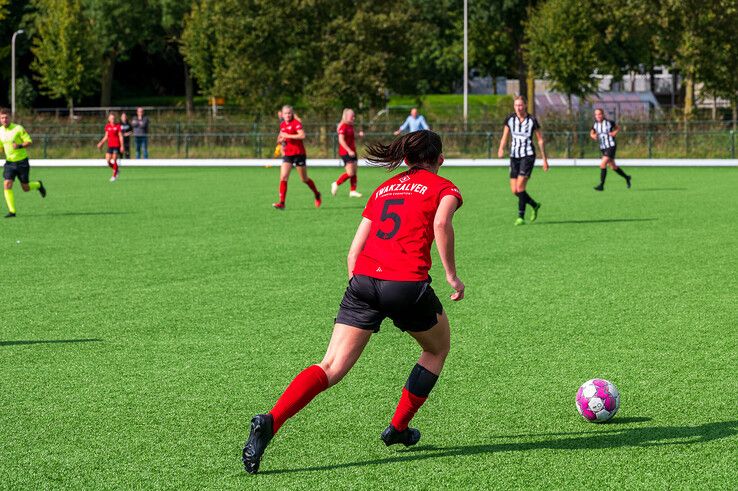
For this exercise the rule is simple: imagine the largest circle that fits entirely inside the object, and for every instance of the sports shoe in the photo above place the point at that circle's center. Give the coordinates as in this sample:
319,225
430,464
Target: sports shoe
627,181
599,187
10,215
519,221
355,194
408,437
260,436
42,189
334,188
534,214
278,206
318,200
113,178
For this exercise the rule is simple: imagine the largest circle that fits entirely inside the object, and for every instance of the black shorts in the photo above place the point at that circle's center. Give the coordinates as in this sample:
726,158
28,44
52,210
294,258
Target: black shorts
608,152
522,167
296,160
348,159
412,305
114,150
20,169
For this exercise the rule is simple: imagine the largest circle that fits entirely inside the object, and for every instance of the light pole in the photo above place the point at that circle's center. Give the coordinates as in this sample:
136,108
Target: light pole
12,72
466,62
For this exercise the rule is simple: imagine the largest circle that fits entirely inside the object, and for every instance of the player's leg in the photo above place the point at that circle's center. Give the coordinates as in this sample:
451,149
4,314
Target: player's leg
619,171
302,171
351,170
345,347
603,173
9,175
435,343
24,174
341,179
115,165
284,175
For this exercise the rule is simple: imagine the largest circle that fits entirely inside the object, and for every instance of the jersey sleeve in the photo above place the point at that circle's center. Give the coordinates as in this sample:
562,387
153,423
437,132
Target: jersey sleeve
342,130
536,124
613,124
369,209
298,126
507,119
24,136
450,189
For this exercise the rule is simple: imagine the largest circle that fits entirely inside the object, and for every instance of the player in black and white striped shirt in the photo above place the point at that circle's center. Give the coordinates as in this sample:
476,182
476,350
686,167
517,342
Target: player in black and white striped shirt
521,126
605,130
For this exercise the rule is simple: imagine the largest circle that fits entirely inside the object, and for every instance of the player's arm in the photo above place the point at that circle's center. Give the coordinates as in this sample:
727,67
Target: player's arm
104,139
122,142
300,135
444,231
25,140
542,148
593,134
615,130
342,142
357,245
503,142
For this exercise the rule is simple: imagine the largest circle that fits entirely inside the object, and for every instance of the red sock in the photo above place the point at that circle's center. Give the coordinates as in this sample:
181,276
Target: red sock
406,409
303,388
282,191
110,163
353,183
342,179
311,185
115,169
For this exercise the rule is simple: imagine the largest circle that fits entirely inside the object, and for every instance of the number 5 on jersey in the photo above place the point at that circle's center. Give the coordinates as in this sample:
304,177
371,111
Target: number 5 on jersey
390,215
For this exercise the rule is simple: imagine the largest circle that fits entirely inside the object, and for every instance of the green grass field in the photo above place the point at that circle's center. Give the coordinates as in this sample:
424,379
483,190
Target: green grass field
144,322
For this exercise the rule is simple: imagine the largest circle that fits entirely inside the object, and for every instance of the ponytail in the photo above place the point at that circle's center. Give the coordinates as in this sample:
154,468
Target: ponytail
419,149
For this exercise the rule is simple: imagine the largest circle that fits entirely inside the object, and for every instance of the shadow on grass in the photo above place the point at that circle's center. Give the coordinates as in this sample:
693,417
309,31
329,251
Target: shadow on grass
48,341
604,220
607,437
659,189
89,213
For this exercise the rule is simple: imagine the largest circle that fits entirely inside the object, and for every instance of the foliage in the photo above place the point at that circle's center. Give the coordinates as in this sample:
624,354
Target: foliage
64,50
25,94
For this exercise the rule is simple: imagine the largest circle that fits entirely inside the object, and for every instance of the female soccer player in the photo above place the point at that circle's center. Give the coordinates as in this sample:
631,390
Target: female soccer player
605,130
521,126
347,151
292,134
388,265
114,137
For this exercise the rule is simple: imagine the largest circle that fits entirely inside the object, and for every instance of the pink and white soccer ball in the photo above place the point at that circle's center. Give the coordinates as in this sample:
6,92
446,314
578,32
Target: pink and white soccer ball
598,400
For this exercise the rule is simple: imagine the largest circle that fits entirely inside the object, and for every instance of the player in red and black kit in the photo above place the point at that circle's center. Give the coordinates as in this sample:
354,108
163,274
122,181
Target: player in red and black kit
114,137
388,265
347,151
292,134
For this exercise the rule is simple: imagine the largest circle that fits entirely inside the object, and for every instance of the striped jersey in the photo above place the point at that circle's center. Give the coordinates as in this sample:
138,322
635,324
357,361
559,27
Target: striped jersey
522,135
603,130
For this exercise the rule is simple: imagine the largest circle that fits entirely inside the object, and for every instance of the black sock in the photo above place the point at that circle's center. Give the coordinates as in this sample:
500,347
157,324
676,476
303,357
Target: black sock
530,200
620,172
522,200
603,175
421,381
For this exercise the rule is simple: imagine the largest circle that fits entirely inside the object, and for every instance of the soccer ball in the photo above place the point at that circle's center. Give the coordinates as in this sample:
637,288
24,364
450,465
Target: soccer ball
598,400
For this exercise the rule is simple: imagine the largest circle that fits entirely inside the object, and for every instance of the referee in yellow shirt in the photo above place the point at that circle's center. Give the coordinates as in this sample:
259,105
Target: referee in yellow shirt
15,139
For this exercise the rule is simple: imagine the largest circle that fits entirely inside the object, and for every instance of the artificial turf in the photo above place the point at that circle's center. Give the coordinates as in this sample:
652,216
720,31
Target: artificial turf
145,321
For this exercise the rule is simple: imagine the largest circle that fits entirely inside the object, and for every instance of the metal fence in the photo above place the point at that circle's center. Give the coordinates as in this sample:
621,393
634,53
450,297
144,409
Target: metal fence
470,144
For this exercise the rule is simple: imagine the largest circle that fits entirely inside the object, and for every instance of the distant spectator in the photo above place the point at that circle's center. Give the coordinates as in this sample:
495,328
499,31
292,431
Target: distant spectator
141,133
413,123
127,130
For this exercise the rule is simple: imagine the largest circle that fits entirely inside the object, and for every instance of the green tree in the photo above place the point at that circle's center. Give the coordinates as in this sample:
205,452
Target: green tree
65,58
563,46
4,9
173,14
490,42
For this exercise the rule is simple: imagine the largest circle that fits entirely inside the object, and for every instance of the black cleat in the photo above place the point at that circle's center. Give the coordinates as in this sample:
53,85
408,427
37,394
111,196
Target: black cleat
260,436
42,189
408,437
10,215
599,188
627,181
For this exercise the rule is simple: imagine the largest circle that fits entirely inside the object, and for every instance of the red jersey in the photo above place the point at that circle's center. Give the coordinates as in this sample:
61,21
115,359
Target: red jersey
292,146
347,130
112,130
402,211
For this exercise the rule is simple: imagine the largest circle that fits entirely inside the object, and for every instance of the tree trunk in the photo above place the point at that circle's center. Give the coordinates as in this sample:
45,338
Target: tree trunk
568,105
70,105
522,72
689,94
531,92
652,79
735,114
189,100
106,82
